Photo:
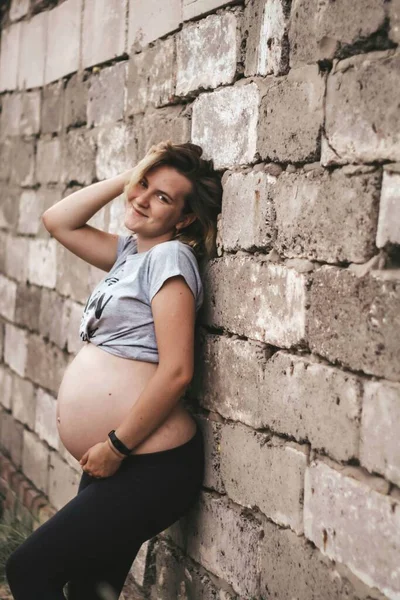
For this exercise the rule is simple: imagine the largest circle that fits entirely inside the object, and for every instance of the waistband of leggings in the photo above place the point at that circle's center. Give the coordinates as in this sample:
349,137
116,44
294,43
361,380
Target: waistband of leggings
194,445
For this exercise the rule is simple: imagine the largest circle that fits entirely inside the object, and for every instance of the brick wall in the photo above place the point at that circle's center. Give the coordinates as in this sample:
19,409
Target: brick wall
297,386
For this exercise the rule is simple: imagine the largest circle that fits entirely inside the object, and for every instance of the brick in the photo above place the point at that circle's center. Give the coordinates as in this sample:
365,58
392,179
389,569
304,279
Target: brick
171,122
245,225
8,292
315,210
379,448
18,9
164,18
211,431
268,472
48,160
312,575
12,438
226,542
42,262
30,113
15,348
196,8
6,382
51,317
358,90
11,111
106,97
23,163
74,344
9,53
35,460
291,116
27,306
224,123
30,212
9,207
394,18
33,51
197,46
353,320
151,77
112,155
6,150
267,45
116,216
72,275
78,157
324,30
63,482
75,100
24,401
354,524
45,513
63,43
46,363
274,311
17,249
389,209
46,418
103,31
52,107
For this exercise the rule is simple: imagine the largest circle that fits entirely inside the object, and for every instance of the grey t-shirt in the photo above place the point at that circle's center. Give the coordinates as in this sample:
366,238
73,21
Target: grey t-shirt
118,316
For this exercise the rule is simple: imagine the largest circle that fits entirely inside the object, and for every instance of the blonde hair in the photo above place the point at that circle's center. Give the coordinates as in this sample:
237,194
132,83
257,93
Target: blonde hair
204,199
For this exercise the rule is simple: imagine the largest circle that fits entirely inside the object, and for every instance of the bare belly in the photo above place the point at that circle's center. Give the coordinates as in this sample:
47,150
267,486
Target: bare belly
98,390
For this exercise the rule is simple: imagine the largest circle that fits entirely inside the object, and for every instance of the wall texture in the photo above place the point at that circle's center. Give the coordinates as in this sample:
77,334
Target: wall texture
297,383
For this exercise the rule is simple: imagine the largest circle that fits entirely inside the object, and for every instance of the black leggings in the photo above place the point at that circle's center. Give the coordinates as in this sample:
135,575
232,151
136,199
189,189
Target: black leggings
92,541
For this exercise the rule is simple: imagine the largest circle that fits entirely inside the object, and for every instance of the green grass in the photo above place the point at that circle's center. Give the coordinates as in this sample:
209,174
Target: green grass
12,534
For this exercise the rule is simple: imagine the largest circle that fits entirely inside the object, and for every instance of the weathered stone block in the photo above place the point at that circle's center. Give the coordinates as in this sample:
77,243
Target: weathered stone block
53,319
151,77
271,310
24,401
329,217
267,44
353,320
164,17
63,43
10,44
18,9
380,449
15,348
291,116
30,113
170,122
23,163
53,107
196,8
42,263
8,293
33,51
17,250
112,155
46,418
10,118
9,196
225,124
45,363
106,95
48,160
268,472
27,306
352,523
12,438
103,31
63,481
6,382
78,157
72,275
362,113
35,461
225,541
389,208
199,44
75,100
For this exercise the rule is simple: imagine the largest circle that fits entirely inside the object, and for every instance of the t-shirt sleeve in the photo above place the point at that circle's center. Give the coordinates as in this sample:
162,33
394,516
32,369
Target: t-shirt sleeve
123,242
169,260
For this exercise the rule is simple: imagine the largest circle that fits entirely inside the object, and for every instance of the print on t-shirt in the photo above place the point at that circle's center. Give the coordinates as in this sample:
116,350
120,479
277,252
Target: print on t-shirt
95,306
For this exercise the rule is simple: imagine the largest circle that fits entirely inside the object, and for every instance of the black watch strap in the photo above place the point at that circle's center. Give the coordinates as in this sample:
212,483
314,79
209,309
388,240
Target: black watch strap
120,446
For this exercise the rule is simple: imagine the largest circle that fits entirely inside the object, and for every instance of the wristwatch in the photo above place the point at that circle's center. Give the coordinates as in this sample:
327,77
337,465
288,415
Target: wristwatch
120,446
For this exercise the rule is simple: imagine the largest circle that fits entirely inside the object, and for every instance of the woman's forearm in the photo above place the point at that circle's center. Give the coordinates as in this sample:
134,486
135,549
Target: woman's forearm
157,400
75,210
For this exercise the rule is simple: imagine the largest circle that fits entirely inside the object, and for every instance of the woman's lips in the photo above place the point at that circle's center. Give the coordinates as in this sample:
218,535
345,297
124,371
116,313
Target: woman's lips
137,212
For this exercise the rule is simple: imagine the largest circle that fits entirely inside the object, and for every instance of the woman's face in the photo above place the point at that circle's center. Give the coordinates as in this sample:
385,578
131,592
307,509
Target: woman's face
159,196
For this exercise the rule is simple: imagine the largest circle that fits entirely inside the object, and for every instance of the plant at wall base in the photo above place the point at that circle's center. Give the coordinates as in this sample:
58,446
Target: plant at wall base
12,534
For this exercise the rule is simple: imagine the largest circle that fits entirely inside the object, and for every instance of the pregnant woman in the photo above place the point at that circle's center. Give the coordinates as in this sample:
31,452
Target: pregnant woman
119,410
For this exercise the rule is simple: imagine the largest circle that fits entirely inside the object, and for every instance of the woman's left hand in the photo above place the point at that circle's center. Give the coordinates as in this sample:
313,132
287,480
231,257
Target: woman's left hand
100,461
